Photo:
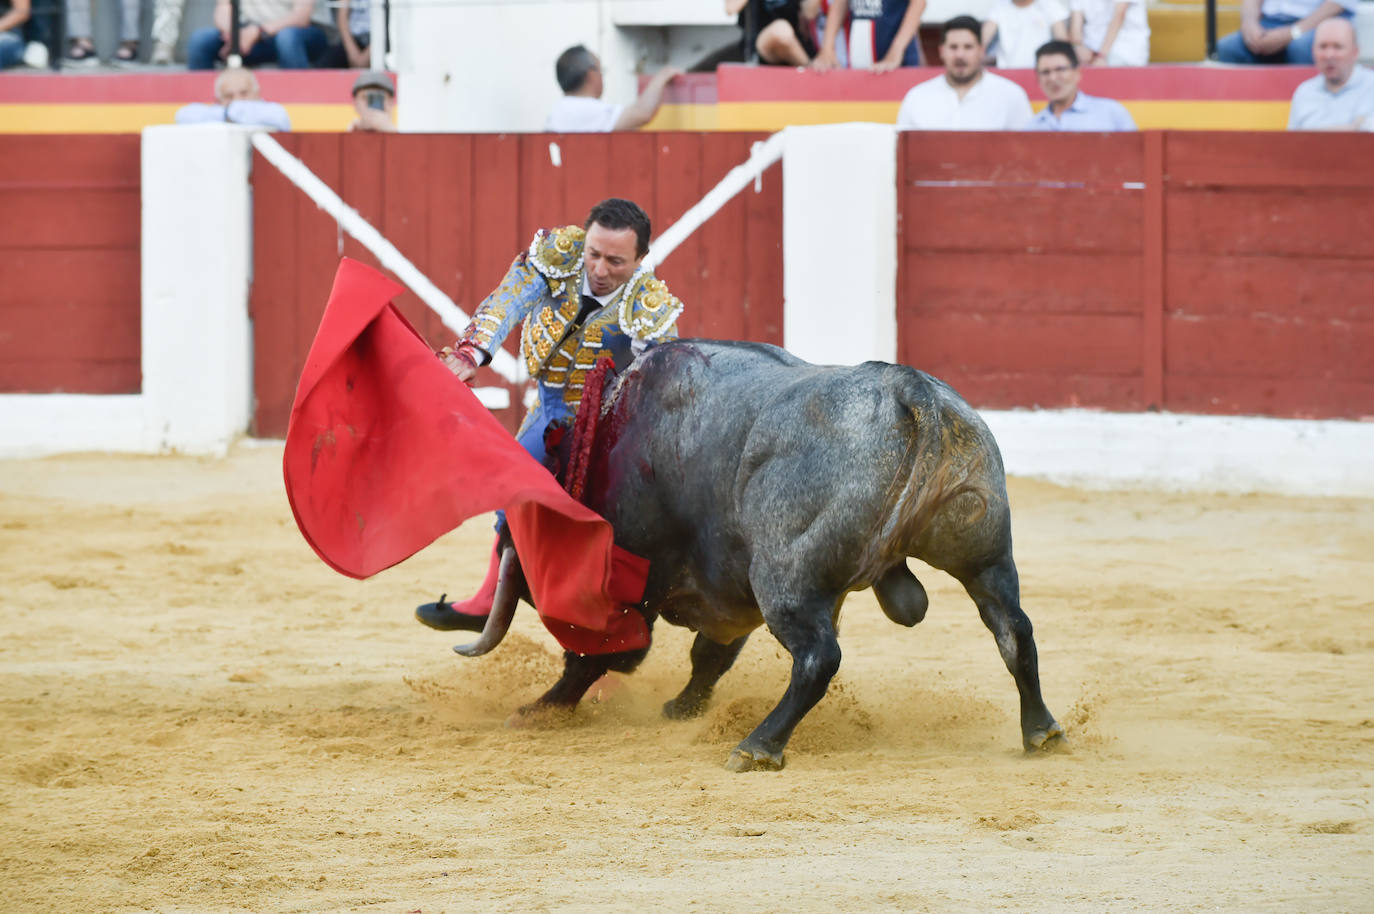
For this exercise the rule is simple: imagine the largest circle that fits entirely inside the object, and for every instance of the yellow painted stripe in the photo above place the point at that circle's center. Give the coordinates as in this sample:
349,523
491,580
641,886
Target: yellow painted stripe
1148,115
132,118
685,117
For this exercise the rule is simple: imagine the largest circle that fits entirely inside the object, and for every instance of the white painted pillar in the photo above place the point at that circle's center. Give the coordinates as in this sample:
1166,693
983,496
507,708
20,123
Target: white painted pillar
839,230
197,261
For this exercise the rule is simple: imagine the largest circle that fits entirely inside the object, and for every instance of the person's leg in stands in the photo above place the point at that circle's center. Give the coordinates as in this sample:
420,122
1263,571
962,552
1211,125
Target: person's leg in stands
11,47
80,49
202,49
298,47
1233,49
127,52
166,29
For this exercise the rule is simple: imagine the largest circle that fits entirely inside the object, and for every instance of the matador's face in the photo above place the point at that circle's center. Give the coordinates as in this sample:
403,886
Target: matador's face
609,255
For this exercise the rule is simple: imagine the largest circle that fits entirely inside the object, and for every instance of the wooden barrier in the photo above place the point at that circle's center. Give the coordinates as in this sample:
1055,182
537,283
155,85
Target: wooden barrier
1224,273
1194,272
462,206
69,297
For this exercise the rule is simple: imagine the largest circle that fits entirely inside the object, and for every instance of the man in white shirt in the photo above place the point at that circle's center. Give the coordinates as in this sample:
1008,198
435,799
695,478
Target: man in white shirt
581,109
1341,95
1014,29
966,97
1114,33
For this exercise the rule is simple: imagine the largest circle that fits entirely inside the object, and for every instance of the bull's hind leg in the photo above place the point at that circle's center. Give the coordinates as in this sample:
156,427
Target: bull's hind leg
997,592
808,633
710,661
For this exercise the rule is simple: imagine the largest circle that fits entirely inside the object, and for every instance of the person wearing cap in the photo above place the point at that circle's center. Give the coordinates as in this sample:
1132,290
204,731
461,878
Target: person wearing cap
237,101
374,98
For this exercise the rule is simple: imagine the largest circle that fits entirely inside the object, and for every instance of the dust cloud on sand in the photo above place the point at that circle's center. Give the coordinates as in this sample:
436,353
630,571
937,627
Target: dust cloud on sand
198,715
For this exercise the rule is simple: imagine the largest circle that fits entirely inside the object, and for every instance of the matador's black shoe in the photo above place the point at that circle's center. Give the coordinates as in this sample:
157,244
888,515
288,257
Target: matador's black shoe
442,616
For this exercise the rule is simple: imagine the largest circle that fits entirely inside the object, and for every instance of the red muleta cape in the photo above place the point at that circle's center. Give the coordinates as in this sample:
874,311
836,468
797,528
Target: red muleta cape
386,451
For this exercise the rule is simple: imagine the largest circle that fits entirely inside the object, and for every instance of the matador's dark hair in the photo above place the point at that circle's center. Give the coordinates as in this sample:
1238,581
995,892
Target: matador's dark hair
615,213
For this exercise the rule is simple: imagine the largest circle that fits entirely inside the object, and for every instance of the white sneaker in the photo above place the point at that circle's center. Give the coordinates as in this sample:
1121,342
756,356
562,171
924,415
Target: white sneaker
36,55
163,54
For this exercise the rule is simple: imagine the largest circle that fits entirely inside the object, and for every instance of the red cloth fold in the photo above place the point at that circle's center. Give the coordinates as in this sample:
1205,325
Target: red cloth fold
386,451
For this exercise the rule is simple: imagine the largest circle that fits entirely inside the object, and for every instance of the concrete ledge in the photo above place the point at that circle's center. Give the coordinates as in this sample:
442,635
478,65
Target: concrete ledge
1177,452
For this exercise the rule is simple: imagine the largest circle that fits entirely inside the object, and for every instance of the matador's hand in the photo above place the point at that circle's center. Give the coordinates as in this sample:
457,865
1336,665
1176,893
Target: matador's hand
462,361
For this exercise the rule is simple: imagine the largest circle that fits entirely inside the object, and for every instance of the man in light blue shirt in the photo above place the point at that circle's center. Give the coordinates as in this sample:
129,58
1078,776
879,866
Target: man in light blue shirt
237,101
1056,66
1279,31
1341,95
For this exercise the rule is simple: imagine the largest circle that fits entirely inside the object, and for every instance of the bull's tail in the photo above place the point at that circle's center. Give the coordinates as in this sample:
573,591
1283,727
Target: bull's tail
945,459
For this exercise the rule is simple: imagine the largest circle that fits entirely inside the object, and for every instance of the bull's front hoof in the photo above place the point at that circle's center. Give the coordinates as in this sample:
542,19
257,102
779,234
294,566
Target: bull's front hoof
683,708
1047,739
754,760
538,716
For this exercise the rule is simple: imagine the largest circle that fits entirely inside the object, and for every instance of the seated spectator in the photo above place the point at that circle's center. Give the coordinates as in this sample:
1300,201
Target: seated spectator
1114,33
38,32
166,30
13,15
882,33
374,98
1014,29
581,109
354,22
783,33
1056,66
967,97
237,101
81,50
838,56
1341,95
1279,31
269,31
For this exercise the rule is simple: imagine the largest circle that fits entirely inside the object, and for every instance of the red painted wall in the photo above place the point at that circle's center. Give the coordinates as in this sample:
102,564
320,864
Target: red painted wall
1223,273
461,206
70,246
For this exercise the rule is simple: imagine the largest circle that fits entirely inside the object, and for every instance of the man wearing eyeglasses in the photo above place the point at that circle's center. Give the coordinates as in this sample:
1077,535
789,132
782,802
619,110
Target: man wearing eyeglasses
1056,66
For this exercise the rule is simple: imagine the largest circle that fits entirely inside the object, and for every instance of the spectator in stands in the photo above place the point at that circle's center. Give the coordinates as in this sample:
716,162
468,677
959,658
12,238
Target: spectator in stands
882,33
166,29
1115,33
38,33
1014,29
966,97
1279,31
782,30
13,15
1341,95
81,49
581,109
354,22
269,30
374,98
1056,66
837,57
237,101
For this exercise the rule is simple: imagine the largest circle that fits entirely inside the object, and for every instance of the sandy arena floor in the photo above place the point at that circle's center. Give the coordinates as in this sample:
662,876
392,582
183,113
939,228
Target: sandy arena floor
198,715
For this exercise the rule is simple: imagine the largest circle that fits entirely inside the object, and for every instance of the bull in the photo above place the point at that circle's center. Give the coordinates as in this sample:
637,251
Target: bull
763,489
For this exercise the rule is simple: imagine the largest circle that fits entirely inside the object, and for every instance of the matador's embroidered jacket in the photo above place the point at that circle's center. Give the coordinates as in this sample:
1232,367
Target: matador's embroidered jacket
544,289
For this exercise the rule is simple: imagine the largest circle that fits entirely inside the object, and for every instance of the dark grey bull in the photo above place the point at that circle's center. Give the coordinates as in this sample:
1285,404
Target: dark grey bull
763,489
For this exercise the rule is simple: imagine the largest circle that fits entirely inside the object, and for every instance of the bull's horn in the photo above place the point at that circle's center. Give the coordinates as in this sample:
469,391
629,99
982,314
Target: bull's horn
502,608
